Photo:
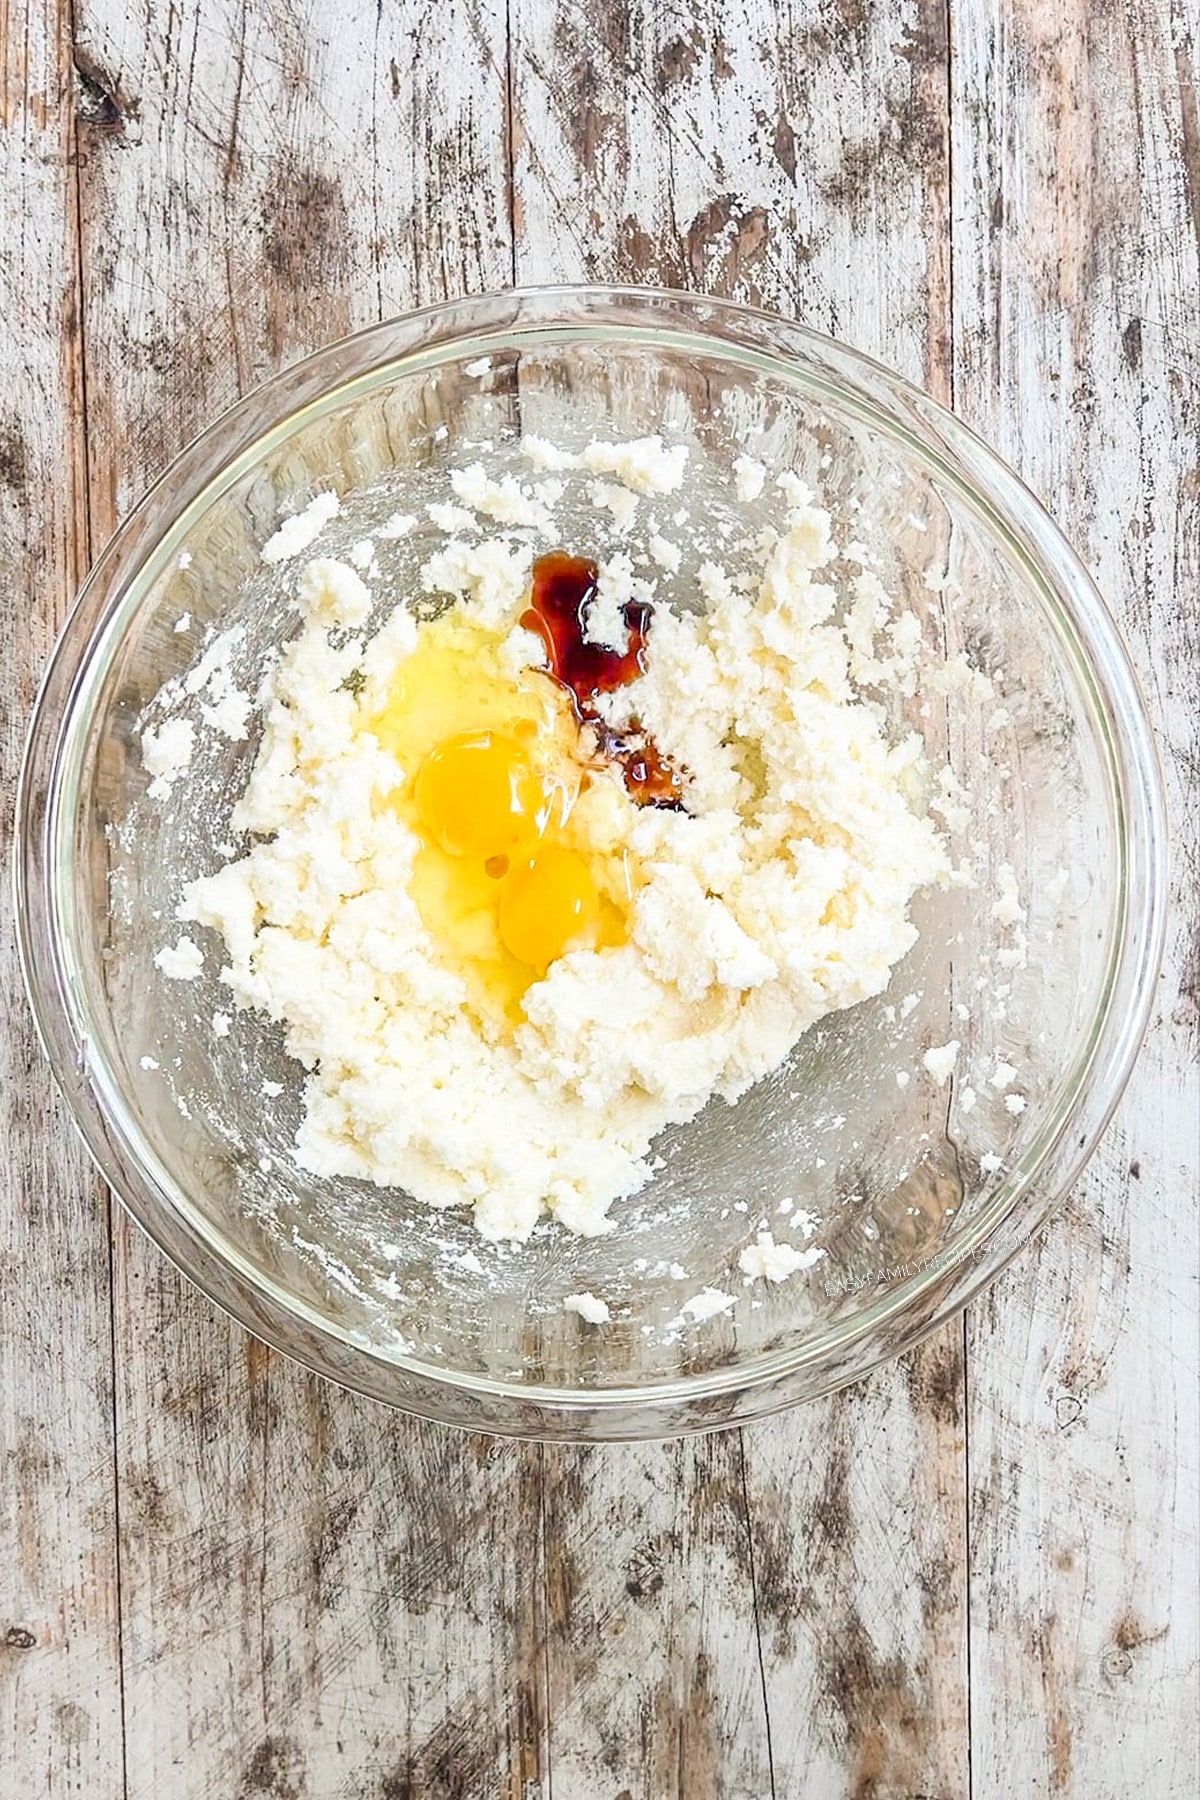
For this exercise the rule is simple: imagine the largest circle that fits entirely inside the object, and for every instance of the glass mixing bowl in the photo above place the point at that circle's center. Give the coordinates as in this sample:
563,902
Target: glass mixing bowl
917,1197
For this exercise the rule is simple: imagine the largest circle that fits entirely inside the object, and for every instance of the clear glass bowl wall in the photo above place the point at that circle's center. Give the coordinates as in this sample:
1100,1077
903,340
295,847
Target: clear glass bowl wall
377,1290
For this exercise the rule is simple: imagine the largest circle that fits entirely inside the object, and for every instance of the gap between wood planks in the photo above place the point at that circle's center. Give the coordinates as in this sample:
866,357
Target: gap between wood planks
91,91
104,102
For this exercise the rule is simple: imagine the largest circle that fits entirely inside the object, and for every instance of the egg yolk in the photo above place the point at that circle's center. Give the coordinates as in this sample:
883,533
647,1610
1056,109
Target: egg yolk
548,904
505,878
478,795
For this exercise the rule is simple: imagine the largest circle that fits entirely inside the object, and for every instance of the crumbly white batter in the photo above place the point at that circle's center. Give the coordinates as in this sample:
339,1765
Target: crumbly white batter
594,1310
779,896
765,1260
939,1061
301,529
167,752
181,961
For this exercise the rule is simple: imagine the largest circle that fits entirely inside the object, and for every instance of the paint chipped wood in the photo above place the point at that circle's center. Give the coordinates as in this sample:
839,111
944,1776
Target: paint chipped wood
626,127
317,1598
61,1728
1077,288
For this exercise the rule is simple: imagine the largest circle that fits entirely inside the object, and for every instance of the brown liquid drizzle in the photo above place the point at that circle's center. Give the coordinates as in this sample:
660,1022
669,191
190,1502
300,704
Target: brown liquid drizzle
563,588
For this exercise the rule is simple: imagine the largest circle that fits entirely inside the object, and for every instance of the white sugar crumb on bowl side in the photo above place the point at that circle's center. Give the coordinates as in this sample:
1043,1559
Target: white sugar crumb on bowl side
708,1304
167,752
499,498
749,478
646,465
667,555
214,658
588,1307
611,497
544,455
300,530
765,1260
181,961
1007,908
958,676
396,525
229,711
450,518
468,1262
332,593
939,1061
1016,954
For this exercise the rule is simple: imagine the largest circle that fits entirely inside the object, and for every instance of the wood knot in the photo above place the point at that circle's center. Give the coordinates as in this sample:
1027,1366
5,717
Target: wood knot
18,1638
1067,1409
100,101
644,1571
14,457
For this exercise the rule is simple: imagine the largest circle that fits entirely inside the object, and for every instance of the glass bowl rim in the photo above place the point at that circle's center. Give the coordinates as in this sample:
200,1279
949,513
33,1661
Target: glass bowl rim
450,331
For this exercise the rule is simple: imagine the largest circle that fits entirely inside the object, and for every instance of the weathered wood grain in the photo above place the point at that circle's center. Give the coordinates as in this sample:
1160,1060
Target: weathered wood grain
793,156
319,1598
655,1682
797,159
859,1543
257,181
60,1708
1077,291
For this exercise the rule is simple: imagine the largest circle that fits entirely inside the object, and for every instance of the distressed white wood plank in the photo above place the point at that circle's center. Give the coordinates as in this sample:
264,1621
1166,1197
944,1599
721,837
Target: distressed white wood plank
790,155
795,157
60,1697
261,180
300,1617
1077,288
857,1509
320,1598
655,1687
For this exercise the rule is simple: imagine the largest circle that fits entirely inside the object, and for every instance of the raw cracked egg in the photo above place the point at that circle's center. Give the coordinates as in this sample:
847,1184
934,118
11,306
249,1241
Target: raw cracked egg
479,794
507,878
549,902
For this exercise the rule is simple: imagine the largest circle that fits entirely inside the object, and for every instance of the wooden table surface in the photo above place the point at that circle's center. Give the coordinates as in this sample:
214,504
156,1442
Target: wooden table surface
973,1574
